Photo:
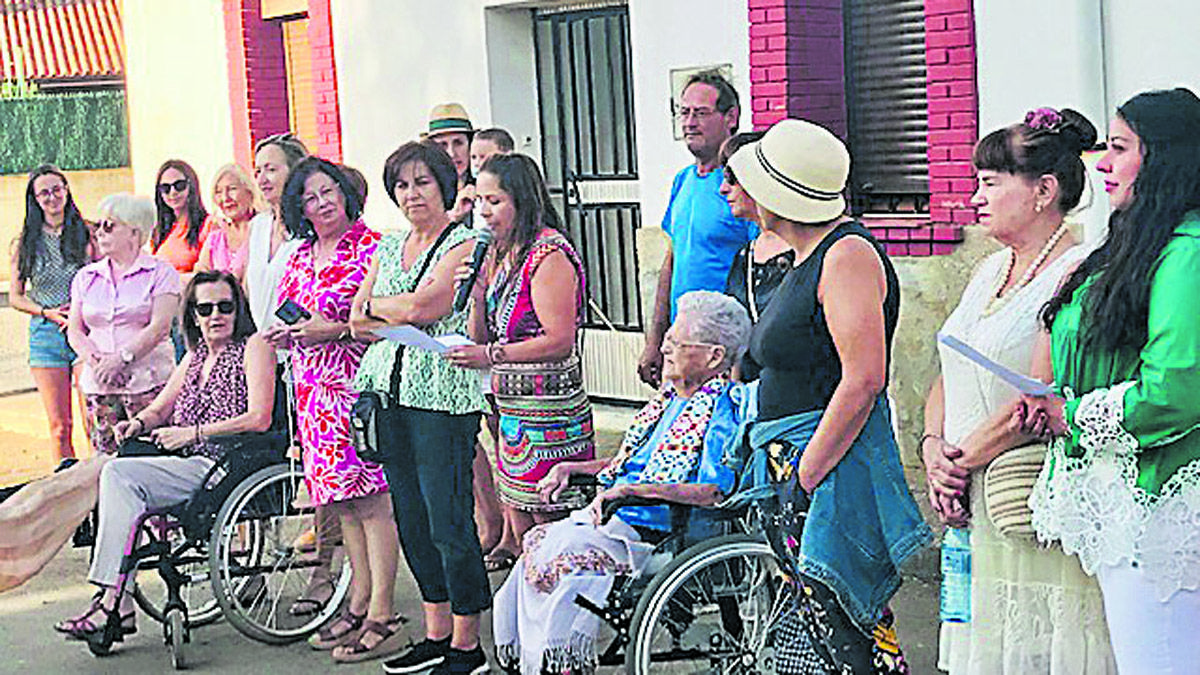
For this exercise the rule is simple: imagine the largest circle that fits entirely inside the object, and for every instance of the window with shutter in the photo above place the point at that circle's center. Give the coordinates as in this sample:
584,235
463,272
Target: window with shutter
886,105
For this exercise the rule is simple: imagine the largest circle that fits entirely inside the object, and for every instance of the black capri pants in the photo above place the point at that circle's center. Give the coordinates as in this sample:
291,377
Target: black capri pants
428,465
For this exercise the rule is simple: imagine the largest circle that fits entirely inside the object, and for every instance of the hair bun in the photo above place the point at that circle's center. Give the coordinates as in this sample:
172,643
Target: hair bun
1077,130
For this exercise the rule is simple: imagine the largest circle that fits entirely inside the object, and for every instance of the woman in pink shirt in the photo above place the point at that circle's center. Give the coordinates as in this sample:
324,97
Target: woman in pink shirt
121,311
228,244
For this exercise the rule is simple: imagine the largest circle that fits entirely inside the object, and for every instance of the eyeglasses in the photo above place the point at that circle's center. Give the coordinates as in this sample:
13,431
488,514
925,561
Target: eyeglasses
106,226
180,185
699,114
56,191
670,344
206,308
730,178
311,199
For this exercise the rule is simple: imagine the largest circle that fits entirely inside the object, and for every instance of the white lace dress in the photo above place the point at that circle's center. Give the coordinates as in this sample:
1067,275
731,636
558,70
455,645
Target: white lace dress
1033,610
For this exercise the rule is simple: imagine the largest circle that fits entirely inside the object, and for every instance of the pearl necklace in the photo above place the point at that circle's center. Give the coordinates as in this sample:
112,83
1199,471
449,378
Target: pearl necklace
997,299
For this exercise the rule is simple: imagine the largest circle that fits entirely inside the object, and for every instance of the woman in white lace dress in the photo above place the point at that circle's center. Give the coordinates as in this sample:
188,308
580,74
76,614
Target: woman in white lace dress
1033,610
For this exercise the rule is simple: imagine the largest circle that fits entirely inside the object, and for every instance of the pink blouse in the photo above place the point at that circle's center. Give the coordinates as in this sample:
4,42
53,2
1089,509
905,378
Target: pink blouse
115,309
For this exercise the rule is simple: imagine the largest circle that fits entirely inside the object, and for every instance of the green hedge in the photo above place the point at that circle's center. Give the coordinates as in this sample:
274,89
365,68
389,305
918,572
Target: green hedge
85,130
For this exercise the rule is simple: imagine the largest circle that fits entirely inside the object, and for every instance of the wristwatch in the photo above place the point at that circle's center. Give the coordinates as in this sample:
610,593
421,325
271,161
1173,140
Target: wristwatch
366,307
126,356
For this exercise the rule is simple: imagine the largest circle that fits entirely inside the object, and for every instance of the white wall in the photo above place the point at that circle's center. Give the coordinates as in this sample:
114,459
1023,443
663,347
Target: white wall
1033,53
669,34
1150,45
396,59
177,80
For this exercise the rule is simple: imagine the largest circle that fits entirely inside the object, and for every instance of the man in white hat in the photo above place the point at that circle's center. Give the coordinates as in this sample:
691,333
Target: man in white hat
704,234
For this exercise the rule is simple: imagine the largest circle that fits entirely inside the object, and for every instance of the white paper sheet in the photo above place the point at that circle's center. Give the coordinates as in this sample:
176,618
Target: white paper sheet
412,336
1022,383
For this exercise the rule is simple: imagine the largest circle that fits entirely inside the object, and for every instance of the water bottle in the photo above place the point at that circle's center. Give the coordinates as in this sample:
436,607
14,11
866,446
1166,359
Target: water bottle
956,575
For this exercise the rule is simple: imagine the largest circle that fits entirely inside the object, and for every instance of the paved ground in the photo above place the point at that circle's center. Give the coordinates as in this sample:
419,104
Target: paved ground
28,645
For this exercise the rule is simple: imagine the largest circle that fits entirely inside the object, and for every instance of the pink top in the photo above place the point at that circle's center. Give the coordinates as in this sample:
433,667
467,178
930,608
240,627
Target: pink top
225,259
115,309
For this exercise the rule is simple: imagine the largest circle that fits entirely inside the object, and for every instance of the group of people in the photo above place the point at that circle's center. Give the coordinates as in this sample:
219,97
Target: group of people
772,327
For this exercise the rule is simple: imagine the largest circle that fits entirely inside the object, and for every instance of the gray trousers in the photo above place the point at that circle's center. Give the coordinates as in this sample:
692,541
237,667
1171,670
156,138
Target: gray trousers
130,486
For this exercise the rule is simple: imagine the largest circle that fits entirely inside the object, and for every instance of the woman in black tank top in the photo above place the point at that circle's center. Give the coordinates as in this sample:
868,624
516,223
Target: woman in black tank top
824,344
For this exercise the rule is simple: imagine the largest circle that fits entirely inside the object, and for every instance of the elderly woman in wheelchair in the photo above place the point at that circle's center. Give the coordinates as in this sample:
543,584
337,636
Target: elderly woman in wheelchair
224,385
672,452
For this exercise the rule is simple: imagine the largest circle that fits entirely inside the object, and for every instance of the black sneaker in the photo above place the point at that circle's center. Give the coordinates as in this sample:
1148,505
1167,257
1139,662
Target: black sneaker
421,656
459,662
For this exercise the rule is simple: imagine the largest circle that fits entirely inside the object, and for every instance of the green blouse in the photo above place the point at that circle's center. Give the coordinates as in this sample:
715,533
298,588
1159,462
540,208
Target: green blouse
1124,485
427,380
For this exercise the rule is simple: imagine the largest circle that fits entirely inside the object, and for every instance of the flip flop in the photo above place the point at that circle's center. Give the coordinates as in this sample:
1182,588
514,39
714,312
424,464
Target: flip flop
499,560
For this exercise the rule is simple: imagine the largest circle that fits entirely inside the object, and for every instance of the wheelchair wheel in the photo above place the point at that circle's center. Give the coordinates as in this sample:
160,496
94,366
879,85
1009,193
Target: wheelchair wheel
712,609
150,593
175,634
257,570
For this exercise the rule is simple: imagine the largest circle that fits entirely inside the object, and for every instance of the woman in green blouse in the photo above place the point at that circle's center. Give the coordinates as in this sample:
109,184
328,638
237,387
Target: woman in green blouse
1121,485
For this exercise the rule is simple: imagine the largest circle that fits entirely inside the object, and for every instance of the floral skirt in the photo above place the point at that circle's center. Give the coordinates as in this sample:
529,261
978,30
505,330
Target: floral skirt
105,410
545,418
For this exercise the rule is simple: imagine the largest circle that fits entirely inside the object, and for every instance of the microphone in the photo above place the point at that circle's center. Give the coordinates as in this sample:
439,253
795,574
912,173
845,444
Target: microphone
482,241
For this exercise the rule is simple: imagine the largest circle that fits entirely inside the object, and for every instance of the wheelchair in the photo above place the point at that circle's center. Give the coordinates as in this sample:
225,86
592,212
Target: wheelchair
231,550
708,601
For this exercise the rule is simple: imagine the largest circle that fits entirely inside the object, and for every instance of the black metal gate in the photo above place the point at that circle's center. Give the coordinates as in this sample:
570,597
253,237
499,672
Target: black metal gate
588,151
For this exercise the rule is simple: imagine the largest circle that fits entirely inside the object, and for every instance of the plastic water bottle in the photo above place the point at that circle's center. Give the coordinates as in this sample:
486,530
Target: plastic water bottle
956,576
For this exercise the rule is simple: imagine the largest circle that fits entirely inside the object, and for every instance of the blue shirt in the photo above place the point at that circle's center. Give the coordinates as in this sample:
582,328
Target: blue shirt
722,428
704,234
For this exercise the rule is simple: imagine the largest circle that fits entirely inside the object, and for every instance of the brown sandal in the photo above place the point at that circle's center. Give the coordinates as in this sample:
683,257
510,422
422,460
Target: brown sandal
327,638
389,642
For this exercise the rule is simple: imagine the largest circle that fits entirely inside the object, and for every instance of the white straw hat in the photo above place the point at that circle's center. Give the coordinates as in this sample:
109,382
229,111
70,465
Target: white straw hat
798,170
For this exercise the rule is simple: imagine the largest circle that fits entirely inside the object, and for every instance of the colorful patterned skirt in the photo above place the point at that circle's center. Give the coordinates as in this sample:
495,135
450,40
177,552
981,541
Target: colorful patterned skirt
545,418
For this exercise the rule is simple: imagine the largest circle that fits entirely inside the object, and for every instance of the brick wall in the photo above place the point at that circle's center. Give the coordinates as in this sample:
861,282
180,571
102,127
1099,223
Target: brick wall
320,38
796,70
257,78
796,62
953,117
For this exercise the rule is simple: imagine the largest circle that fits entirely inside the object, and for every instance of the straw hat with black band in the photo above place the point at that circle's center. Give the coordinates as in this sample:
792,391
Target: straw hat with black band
448,118
798,171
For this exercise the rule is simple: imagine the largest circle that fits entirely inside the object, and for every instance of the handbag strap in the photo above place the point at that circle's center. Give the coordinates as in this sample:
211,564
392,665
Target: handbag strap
750,299
398,361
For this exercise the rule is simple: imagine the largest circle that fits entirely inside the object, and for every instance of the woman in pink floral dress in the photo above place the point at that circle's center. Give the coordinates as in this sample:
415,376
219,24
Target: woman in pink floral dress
321,207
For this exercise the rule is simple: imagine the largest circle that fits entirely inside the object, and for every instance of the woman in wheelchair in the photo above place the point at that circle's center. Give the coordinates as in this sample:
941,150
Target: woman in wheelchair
673,452
224,385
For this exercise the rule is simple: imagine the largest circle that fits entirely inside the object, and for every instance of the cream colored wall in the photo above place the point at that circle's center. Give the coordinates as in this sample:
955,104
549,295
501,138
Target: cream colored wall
177,84
88,187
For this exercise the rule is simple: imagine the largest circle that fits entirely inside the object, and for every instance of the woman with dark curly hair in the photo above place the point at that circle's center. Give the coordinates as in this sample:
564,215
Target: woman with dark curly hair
1121,485
54,244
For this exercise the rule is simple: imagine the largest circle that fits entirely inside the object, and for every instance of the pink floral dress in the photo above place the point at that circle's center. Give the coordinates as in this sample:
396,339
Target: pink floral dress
324,373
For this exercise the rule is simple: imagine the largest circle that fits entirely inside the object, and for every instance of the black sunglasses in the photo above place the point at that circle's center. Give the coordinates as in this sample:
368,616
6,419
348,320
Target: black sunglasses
206,308
180,185
106,226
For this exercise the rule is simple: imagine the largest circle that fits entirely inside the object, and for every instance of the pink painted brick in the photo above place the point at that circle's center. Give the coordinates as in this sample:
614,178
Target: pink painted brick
963,120
768,58
939,121
780,42
758,44
933,7
768,117
934,23
770,89
758,75
933,91
775,14
964,186
939,185
965,216
763,4
959,152
758,104
778,74
939,153
963,88
947,234
768,29
934,57
953,104
950,169
943,249
958,21
920,249
758,15
896,249
947,73
961,55
939,215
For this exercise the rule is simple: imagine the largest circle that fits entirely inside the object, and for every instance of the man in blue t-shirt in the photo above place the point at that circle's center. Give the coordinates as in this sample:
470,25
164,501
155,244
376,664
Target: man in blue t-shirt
704,234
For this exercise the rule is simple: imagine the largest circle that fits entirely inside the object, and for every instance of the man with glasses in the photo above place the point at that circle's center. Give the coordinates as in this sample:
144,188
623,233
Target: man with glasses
704,234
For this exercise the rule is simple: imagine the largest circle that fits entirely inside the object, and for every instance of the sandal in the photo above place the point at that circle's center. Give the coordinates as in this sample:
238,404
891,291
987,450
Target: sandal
499,560
327,637
318,593
389,642
77,628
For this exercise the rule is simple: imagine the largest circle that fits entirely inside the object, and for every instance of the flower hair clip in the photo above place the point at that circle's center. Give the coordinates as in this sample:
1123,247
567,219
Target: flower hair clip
1044,119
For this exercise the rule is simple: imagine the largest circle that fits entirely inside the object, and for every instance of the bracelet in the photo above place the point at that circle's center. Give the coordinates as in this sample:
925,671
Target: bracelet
924,437
495,353
197,432
42,312
141,425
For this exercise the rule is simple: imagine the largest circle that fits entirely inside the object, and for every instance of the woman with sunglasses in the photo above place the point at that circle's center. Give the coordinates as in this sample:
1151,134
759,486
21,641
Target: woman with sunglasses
55,242
183,225
223,386
121,311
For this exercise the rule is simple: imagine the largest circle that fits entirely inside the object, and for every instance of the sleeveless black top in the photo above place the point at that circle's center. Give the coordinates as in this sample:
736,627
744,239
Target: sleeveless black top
800,365
761,280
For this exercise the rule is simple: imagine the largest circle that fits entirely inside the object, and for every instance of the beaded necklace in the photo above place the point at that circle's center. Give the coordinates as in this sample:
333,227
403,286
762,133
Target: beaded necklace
997,299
